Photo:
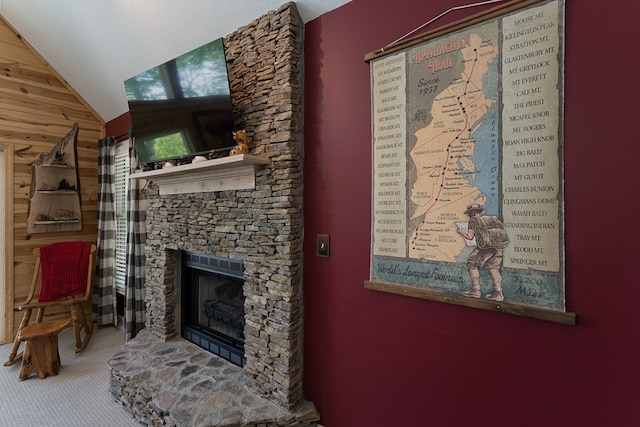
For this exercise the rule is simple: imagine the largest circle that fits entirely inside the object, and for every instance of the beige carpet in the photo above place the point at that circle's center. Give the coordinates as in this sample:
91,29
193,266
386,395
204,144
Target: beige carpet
78,396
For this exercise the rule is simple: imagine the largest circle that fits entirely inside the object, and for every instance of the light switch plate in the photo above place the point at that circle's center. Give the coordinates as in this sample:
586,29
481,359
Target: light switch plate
323,245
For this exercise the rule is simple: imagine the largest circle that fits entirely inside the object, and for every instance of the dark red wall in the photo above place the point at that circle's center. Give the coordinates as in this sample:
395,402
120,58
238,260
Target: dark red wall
119,126
376,359
380,360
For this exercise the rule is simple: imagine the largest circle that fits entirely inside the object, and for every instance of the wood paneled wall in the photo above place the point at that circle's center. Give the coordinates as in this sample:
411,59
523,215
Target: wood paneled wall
37,109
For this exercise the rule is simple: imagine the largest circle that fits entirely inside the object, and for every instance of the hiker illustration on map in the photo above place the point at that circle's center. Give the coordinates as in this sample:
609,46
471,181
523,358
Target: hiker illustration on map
490,237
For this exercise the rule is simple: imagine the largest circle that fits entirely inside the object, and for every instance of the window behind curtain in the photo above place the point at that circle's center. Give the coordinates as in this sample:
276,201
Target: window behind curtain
121,197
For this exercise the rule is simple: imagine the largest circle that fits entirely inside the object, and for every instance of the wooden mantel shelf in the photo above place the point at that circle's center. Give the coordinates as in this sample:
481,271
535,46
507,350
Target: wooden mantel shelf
227,173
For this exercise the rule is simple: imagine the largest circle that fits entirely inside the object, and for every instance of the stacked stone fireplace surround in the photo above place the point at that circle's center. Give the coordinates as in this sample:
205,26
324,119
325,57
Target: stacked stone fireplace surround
161,378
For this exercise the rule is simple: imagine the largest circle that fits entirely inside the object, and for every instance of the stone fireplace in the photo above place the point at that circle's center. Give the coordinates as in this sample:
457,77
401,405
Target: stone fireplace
164,379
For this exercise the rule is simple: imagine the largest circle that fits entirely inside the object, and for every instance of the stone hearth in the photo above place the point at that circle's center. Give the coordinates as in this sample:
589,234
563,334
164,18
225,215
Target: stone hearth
191,387
158,375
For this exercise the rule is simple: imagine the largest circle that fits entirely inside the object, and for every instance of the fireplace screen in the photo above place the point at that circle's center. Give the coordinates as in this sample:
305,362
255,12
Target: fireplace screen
213,305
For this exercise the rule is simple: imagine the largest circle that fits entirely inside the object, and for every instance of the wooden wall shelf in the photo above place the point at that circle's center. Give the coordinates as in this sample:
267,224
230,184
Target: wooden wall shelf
226,173
55,187
57,192
58,222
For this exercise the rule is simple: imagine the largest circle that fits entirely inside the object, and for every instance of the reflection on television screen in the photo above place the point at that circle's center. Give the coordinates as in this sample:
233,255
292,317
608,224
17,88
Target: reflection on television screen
163,147
182,107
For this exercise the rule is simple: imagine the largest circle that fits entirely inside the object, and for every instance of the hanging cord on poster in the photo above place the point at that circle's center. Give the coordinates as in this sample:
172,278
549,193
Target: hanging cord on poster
466,6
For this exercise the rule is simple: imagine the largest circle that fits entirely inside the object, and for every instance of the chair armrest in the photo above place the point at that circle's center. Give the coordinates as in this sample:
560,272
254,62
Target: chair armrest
46,304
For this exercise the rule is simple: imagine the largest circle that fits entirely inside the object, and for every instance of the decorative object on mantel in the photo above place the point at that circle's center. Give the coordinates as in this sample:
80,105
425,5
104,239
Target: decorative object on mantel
54,199
240,136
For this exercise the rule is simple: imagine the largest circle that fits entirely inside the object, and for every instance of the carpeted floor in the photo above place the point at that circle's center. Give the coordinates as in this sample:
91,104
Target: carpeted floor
78,396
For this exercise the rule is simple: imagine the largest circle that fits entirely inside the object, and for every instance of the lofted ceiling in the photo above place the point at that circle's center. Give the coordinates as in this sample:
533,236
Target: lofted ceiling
95,45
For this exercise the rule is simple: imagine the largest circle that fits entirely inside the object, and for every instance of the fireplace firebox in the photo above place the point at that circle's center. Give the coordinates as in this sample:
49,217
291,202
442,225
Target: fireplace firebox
212,307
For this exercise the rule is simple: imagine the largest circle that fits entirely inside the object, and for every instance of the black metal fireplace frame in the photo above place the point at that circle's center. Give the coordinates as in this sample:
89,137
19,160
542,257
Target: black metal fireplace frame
216,343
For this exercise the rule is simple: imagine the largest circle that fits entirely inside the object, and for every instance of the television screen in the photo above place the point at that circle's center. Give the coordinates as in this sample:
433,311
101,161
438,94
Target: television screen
183,107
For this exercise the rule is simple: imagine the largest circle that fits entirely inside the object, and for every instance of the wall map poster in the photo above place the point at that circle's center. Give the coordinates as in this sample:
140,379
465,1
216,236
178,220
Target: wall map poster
467,160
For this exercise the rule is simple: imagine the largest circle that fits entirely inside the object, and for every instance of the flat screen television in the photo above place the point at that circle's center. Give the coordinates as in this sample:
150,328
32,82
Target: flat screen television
182,108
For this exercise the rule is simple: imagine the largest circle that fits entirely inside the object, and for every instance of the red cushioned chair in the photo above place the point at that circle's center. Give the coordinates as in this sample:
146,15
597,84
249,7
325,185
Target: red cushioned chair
62,275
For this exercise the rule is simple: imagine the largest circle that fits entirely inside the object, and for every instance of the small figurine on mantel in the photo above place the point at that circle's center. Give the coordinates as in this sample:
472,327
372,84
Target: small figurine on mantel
240,136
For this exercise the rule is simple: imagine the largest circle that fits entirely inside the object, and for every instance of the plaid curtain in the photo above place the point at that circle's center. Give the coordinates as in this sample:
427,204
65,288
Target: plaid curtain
136,239
103,288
